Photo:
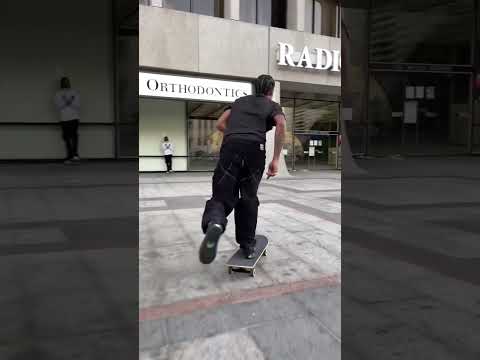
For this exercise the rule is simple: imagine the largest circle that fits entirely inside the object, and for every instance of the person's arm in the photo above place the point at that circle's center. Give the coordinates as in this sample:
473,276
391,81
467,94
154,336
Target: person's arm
280,124
223,120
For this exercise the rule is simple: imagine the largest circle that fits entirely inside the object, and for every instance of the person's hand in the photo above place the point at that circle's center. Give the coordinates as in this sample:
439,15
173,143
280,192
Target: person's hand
272,168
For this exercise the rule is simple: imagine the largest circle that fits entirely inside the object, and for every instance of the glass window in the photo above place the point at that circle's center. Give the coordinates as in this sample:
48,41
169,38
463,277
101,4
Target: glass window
311,134
308,15
248,11
279,14
183,5
322,17
418,113
264,12
204,7
204,140
317,17
431,32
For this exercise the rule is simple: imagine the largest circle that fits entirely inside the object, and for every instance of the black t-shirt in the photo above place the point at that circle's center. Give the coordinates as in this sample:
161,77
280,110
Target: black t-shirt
251,117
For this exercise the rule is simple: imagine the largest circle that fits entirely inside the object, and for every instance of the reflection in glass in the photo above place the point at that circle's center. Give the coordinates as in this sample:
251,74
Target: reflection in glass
311,123
422,32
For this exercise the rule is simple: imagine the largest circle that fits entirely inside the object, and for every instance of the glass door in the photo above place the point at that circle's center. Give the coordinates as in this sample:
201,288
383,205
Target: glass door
312,134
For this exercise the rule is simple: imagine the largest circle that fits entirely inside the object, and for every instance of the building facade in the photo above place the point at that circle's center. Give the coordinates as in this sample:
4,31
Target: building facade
197,56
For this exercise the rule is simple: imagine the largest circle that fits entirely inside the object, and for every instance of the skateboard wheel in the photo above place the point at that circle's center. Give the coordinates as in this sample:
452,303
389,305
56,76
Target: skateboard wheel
252,273
229,270
264,252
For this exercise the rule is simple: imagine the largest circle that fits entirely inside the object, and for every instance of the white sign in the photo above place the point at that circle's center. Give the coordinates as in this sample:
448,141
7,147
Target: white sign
319,59
311,151
191,88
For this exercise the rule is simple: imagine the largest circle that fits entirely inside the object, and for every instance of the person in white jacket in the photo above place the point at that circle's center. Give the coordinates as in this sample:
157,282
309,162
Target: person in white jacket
67,102
168,153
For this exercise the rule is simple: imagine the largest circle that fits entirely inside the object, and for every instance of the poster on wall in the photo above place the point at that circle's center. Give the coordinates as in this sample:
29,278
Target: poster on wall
410,112
430,92
410,92
311,151
419,92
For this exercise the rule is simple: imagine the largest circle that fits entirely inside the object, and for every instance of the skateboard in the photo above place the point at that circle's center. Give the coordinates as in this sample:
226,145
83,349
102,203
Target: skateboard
239,263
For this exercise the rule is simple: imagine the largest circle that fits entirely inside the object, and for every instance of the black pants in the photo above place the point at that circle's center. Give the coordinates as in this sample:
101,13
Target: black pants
168,162
70,136
234,186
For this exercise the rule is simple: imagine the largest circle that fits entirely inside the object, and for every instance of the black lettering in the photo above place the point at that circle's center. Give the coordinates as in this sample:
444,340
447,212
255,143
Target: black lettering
155,82
182,87
217,90
163,87
201,88
191,89
173,87
209,91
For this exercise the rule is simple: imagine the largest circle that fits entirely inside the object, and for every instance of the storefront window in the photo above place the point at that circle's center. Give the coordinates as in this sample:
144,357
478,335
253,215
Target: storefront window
322,17
204,7
204,140
264,12
311,134
418,113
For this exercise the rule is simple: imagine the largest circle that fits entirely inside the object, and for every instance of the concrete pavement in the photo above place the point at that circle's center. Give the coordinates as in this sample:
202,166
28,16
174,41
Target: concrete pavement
290,310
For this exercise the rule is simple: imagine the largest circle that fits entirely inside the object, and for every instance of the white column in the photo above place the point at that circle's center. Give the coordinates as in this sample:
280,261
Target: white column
296,15
232,9
270,145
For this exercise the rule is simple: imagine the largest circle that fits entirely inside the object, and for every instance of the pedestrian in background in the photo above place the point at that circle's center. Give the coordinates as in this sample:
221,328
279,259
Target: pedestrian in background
168,153
67,102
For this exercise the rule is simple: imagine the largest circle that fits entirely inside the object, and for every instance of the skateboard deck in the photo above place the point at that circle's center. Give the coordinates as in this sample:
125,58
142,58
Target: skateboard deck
239,263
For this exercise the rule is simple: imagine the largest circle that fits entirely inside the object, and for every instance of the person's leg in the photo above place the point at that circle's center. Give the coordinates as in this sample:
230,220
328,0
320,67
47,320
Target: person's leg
224,197
168,162
246,210
66,138
74,137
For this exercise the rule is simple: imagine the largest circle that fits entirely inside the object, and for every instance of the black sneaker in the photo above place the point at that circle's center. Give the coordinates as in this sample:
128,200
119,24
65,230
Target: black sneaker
208,249
249,252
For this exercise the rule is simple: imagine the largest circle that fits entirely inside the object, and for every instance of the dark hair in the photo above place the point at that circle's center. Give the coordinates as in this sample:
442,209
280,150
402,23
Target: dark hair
264,85
64,82
165,138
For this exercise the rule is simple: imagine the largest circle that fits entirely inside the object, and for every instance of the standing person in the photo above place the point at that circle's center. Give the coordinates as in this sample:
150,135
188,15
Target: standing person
168,153
240,167
67,102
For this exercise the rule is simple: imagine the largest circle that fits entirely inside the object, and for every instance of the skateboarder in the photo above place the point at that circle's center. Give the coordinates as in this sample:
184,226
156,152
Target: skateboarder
240,167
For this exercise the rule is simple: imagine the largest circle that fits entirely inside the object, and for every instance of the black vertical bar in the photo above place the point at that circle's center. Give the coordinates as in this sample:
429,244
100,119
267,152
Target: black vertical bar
473,78
115,29
367,82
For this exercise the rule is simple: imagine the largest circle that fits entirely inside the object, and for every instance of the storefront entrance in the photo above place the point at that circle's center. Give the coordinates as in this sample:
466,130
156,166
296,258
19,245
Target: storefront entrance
416,113
312,134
